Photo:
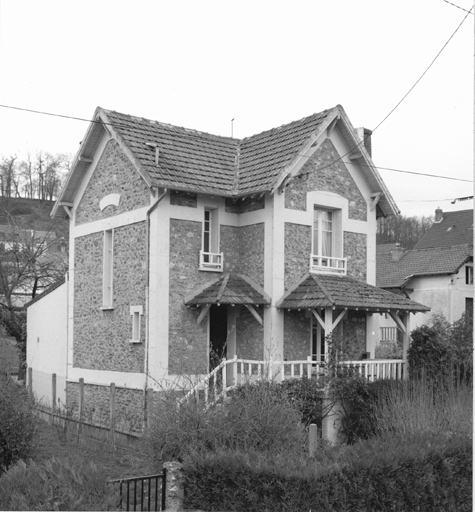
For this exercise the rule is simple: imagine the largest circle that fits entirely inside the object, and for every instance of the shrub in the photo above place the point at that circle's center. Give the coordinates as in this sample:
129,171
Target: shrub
418,473
255,417
18,424
56,485
438,406
438,348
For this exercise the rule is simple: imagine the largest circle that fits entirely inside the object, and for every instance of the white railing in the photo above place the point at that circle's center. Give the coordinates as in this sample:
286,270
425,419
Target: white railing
212,261
388,333
231,373
375,369
327,264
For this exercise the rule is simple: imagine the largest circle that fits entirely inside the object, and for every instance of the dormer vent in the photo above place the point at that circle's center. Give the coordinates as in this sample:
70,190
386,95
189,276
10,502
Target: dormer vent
157,150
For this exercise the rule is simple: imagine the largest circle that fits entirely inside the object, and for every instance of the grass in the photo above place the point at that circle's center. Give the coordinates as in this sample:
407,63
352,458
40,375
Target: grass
116,462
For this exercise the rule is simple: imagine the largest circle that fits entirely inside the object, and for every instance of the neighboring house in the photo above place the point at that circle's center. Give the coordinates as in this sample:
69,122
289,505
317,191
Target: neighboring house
438,272
187,247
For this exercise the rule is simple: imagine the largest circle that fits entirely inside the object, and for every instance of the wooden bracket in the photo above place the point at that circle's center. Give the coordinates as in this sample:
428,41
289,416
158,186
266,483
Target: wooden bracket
203,313
375,200
254,313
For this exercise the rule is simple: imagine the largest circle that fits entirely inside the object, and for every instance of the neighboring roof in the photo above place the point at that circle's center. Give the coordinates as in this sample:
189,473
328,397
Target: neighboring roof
325,290
420,262
46,292
195,161
229,289
455,228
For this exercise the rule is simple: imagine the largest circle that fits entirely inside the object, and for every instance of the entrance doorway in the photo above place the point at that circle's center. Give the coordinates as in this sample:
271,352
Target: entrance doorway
318,341
218,333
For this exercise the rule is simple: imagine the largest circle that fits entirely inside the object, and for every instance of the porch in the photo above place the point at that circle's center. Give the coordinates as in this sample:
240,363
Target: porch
234,372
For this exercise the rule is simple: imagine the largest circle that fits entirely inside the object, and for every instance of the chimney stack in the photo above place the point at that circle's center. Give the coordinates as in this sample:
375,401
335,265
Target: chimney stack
365,135
439,215
397,253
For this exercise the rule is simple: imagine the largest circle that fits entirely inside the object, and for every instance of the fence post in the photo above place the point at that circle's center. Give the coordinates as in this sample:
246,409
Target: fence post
81,404
53,397
112,411
312,440
30,382
174,486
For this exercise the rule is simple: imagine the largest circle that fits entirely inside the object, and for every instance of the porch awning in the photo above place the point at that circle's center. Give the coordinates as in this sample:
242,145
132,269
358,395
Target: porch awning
230,288
325,290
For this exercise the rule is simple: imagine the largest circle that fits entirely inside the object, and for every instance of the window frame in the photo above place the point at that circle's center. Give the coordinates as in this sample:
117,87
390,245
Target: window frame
210,258
108,270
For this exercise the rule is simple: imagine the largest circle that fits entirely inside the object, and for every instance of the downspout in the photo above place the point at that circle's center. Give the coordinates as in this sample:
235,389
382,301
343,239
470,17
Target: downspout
147,303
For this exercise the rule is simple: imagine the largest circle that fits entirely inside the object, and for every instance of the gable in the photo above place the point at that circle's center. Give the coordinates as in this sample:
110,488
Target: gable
115,187
317,174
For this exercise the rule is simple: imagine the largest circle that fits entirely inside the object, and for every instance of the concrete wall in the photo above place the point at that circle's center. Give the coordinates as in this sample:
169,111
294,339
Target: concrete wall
46,349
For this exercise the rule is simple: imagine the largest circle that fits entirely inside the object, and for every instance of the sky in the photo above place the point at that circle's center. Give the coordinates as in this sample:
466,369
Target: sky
200,64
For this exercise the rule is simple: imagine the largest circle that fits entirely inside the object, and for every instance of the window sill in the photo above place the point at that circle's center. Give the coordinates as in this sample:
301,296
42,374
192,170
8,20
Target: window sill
107,308
135,342
210,269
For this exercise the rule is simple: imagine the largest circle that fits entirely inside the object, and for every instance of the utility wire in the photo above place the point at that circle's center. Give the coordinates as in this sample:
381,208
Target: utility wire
458,7
426,70
330,163
416,173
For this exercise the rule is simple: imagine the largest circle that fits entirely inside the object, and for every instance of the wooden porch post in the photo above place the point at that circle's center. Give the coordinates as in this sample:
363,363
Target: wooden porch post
328,326
406,340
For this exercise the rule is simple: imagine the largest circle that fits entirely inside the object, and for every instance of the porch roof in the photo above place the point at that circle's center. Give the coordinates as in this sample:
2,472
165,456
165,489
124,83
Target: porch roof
229,288
325,290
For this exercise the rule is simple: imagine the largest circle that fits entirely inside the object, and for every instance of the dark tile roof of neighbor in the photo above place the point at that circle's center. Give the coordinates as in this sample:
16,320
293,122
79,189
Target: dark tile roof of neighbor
419,262
190,159
455,228
229,289
325,290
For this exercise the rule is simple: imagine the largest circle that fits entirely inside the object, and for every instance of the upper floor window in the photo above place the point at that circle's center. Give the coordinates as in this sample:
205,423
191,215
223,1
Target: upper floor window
468,275
327,246
210,257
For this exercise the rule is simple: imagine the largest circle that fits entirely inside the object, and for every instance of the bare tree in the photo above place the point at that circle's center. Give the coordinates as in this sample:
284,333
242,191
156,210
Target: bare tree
30,261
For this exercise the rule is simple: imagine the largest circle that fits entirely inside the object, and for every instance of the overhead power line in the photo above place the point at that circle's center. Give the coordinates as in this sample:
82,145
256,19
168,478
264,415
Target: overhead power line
458,7
416,173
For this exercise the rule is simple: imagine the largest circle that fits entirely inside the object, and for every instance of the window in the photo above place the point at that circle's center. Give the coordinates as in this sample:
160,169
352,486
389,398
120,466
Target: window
468,275
107,280
327,242
135,313
210,257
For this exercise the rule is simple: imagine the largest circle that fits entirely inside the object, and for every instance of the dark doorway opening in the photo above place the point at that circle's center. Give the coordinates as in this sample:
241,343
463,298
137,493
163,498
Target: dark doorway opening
218,333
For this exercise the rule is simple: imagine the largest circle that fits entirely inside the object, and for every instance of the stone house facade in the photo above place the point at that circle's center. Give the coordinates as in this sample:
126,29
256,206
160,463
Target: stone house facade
187,247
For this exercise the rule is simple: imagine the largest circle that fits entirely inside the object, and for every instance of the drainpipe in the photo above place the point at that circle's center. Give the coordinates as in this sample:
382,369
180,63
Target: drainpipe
147,303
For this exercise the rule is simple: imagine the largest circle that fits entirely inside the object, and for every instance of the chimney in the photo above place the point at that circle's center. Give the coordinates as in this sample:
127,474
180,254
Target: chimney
397,253
439,215
365,135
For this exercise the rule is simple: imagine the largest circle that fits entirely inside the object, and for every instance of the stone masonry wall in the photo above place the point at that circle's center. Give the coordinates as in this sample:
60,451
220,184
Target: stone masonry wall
243,249
296,335
318,173
249,335
114,174
180,198
188,342
128,406
102,338
298,247
355,250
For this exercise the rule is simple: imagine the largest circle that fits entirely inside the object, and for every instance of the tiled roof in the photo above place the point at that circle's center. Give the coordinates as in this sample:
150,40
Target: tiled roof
420,262
325,290
46,292
229,289
455,228
189,159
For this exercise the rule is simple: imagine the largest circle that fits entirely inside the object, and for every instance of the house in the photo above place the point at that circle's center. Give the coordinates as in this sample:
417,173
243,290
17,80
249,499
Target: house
438,272
186,248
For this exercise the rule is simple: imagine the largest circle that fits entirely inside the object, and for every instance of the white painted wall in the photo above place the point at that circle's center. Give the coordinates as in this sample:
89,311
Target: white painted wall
46,349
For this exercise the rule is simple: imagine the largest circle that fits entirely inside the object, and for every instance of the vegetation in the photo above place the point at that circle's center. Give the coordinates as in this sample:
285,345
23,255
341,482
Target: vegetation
56,485
439,348
401,229
18,424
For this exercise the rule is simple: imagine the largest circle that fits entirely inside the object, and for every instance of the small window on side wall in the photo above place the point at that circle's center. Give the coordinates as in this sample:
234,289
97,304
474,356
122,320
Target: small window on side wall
108,274
469,275
136,312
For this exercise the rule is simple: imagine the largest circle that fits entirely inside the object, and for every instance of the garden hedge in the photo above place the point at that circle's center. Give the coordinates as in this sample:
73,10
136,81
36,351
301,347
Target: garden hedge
434,476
